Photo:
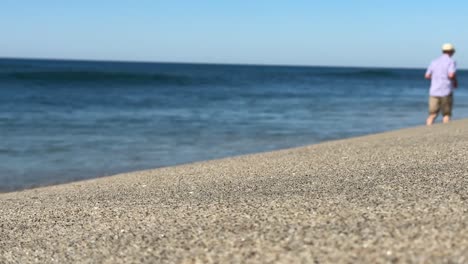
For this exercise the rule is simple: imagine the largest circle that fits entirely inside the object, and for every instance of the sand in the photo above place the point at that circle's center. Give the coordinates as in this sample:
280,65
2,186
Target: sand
394,197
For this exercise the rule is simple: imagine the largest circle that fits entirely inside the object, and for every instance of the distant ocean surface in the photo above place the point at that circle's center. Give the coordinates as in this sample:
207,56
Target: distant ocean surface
64,121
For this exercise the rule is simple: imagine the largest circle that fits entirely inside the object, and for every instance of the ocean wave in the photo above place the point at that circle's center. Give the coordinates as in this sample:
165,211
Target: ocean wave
365,73
177,79
99,76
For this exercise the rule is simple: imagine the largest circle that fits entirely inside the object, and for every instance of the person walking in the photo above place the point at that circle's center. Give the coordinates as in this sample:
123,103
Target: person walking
442,73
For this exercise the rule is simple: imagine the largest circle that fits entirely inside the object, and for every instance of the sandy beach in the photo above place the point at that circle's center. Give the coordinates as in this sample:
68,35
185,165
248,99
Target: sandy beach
394,197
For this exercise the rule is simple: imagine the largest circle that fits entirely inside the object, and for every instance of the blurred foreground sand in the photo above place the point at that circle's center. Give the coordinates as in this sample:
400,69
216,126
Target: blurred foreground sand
398,196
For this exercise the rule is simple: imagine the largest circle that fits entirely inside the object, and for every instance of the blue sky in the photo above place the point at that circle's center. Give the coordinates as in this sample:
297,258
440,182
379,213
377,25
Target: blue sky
296,32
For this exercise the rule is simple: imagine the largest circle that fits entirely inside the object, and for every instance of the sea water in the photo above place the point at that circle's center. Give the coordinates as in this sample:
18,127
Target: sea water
64,121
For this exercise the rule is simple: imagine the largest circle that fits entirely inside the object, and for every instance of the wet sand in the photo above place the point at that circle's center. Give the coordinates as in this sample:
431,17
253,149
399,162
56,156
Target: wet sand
394,197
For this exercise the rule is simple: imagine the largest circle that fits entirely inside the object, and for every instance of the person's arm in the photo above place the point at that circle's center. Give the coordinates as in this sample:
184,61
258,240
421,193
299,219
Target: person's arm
453,77
452,74
428,74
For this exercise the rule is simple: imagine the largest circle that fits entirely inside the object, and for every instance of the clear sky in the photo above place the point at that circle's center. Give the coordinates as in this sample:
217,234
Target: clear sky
397,33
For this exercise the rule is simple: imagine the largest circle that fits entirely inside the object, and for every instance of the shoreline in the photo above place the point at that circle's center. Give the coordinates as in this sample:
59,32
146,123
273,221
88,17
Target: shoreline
187,164
392,196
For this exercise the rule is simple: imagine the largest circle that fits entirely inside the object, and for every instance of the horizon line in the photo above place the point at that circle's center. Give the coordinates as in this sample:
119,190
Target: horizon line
209,63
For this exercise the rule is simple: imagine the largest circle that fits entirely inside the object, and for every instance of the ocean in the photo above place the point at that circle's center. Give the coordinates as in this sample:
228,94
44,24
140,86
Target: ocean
63,121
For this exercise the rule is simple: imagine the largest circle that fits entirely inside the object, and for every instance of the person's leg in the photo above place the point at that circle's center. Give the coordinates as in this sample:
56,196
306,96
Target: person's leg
434,107
446,106
430,119
446,119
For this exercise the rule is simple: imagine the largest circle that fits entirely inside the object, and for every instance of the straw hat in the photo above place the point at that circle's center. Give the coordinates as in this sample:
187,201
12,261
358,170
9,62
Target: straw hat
448,47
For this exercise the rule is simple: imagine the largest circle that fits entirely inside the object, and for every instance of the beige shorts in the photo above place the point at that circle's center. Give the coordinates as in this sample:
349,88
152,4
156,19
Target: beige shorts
444,104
